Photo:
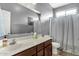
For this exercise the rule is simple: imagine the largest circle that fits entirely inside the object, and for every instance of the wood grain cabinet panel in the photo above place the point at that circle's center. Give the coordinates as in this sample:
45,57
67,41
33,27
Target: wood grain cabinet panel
40,47
28,52
48,50
48,43
40,53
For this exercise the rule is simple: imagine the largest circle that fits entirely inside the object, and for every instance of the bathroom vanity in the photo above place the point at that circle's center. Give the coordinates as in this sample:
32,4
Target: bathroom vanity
41,46
42,49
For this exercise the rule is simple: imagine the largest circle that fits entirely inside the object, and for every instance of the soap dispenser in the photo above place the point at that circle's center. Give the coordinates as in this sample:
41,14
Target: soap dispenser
35,35
5,41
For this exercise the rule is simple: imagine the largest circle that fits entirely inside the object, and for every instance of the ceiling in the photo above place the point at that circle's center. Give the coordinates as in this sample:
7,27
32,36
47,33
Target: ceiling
31,6
56,5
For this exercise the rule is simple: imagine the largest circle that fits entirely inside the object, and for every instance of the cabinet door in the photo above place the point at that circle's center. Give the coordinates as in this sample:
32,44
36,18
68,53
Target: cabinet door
48,50
28,52
34,55
40,53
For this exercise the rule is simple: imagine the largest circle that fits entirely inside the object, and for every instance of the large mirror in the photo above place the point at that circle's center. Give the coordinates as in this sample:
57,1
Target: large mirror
16,19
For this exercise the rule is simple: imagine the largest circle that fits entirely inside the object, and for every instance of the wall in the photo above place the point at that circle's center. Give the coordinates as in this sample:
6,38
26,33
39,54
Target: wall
19,16
46,12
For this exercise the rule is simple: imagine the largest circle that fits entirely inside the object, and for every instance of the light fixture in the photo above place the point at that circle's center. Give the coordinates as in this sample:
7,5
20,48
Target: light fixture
34,3
17,8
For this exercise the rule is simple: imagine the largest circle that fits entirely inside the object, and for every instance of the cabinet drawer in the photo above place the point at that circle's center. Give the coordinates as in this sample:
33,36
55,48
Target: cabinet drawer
28,52
39,47
47,43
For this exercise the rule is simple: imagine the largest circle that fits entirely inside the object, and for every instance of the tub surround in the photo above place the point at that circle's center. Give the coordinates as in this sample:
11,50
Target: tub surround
22,43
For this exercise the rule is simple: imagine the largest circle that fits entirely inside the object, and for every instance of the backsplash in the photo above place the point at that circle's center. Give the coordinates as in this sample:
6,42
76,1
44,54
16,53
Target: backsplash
17,35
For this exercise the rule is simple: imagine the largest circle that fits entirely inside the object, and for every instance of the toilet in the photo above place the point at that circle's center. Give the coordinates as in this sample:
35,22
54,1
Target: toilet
55,45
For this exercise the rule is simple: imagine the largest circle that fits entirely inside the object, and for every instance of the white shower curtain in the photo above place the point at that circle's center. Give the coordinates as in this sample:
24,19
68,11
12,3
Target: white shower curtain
65,31
76,33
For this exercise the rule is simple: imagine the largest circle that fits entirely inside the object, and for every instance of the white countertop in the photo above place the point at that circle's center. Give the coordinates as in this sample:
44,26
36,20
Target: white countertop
22,43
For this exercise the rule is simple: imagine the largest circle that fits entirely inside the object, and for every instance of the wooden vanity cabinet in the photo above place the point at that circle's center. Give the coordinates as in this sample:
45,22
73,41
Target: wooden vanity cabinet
42,49
48,48
40,53
27,52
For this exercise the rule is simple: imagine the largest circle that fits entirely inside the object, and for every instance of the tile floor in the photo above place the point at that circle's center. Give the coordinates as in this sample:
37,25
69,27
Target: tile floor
64,54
